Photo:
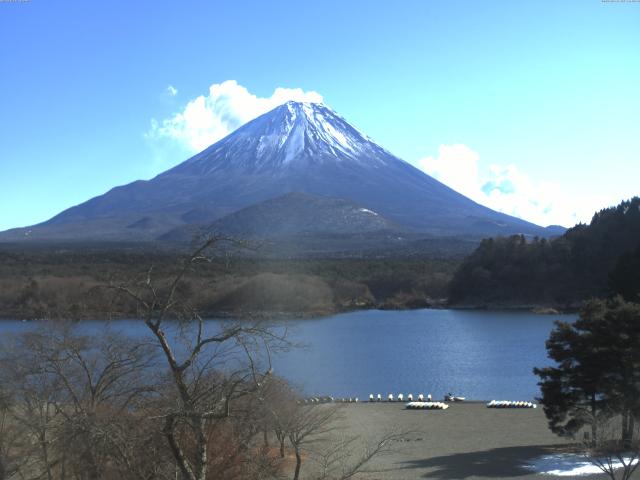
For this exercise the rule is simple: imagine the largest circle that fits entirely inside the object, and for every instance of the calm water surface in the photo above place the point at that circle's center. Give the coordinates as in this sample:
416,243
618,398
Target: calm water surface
478,354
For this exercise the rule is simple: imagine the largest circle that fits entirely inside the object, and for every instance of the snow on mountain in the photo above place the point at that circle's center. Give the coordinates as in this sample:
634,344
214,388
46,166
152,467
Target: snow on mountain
297,147
292,135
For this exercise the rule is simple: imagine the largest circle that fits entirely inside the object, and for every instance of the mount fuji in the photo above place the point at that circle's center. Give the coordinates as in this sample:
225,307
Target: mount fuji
297,156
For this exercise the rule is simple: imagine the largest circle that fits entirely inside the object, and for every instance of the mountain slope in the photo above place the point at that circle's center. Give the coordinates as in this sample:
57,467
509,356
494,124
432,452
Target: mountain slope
587,261
293,214
297,147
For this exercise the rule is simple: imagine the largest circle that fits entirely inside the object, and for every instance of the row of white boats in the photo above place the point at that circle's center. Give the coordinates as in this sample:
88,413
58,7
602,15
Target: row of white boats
427,406
400,398
378,398
421,402
510,404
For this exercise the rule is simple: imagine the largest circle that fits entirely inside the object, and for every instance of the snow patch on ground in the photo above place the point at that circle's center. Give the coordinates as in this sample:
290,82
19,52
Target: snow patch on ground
566,465
366,210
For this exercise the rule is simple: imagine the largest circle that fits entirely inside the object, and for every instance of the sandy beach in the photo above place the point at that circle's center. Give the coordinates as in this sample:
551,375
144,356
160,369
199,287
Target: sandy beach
466,441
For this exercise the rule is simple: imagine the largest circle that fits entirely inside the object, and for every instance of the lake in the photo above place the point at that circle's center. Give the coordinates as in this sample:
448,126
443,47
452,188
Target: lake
478,354
482,355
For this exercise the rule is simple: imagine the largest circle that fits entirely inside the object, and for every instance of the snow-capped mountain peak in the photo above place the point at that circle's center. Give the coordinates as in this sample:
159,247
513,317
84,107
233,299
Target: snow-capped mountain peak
293,135
305,148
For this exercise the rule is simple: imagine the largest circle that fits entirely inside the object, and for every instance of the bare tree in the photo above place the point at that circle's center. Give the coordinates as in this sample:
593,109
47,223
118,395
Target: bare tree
15,448
74,398
37,415
616,450
191,400
337,460
309,425
279,405
211,368
315,432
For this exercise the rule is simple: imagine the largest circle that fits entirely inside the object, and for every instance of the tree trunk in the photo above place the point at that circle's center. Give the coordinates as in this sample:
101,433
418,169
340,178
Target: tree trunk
282,447
45,456
178,455
296,474
63,466
625,427
628,427
92,470
201,453
594,421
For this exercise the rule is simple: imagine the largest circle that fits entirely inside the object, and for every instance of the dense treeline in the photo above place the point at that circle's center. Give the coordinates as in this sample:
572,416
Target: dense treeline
592,260
56,283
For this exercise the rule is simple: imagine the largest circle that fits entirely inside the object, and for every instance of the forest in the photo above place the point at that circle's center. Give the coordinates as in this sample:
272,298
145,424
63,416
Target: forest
596,260
70,283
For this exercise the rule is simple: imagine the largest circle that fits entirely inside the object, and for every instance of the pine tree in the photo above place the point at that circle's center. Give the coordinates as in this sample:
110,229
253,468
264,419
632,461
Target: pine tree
597,372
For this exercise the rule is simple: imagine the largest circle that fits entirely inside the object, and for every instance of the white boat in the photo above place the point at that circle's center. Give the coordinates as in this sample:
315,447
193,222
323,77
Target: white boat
453,398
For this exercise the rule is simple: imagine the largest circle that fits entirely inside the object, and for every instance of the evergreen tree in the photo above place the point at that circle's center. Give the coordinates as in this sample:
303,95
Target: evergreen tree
597,370
625,277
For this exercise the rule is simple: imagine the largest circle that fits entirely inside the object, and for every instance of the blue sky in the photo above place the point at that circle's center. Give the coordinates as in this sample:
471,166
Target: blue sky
530,107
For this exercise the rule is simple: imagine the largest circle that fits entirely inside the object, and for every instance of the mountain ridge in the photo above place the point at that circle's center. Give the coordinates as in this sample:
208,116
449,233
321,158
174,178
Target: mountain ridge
296,147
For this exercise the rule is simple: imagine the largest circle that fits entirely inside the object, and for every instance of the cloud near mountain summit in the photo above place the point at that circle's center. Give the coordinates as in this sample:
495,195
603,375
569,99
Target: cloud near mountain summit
228,105
506,188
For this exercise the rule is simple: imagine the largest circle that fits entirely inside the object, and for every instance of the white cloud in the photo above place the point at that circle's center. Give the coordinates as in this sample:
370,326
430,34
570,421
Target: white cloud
456,166
506,189
208,118
172,91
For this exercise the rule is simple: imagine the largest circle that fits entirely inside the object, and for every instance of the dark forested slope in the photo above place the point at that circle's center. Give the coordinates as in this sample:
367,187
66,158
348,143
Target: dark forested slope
588,260
71,283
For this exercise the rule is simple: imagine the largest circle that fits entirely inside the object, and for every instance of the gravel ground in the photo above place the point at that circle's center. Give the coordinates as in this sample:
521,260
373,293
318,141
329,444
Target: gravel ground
466,441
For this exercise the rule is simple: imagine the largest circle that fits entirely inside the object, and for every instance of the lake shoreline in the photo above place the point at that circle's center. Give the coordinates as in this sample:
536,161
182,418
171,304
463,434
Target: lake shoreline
316,314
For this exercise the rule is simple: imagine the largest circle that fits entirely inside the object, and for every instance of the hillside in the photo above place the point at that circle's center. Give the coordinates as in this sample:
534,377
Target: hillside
588,260
293,214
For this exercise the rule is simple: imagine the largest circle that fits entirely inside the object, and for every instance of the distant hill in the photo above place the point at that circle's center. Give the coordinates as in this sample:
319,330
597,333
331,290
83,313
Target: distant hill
303,225
293,214
586,261
295,149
